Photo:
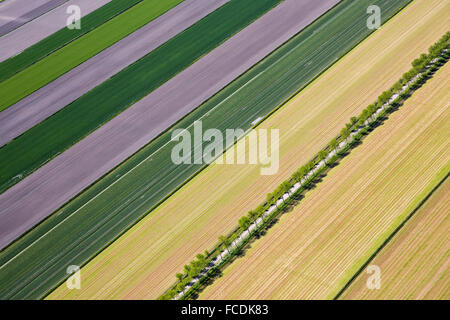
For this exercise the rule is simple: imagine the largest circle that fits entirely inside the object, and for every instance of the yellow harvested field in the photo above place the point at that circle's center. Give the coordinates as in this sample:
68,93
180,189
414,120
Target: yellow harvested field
415,264
144,261
315,249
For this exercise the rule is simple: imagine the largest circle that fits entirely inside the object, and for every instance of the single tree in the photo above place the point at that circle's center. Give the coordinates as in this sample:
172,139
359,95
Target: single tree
285,187
260,210
371,109
310,166
333,144
297,176
269,199
200,257
244,223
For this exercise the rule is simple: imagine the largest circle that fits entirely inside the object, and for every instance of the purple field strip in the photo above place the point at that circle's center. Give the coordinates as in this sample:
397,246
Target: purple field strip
43,26
11,10
17,21
56,95
37,196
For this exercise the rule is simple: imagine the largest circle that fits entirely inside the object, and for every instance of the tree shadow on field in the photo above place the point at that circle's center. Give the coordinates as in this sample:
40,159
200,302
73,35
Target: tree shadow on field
342,154
209,281
357,143
297,198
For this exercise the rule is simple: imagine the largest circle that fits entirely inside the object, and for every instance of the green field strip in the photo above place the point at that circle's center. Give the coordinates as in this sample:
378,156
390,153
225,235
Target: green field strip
68,57
63,129
37,262
59,39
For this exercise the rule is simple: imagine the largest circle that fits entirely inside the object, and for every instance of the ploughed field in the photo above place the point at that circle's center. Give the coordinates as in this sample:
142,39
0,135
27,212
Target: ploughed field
19,14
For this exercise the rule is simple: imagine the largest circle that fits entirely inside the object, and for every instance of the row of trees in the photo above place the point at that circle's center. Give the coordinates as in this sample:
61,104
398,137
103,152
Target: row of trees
419,66
439,50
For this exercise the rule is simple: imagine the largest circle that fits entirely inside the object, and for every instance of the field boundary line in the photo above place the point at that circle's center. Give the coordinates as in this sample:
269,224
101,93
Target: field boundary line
34,18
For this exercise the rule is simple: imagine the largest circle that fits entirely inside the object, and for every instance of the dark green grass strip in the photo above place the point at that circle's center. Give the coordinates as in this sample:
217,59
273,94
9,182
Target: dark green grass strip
90,222
64,36
57,133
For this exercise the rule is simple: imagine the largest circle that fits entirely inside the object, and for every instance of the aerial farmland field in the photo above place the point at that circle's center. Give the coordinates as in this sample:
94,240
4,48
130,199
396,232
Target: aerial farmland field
239,188
81,49
224,149
117,218
39,37
415,263
313,251
78,119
